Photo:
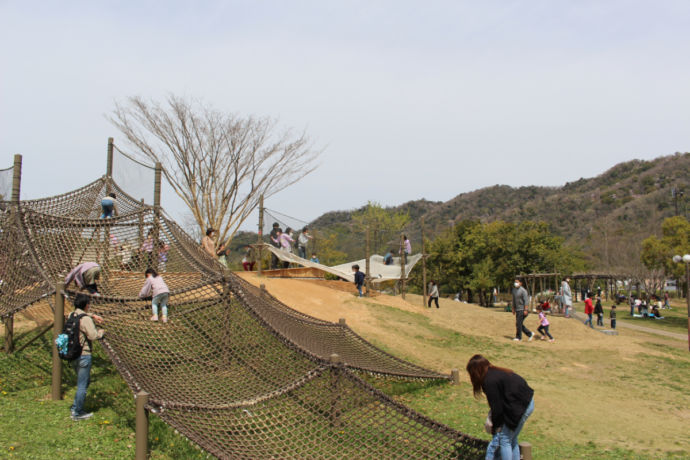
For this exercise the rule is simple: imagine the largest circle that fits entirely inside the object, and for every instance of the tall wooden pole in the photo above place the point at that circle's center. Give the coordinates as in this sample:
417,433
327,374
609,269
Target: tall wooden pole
58,323
109,166
260,240
156,214
402,266
367,264
423,267
141,430
8,321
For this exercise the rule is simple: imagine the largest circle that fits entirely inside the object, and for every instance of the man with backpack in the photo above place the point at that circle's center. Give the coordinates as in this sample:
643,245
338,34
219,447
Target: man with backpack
81,326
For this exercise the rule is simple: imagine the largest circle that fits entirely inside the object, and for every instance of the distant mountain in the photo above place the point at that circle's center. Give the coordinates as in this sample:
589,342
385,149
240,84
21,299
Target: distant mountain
630,199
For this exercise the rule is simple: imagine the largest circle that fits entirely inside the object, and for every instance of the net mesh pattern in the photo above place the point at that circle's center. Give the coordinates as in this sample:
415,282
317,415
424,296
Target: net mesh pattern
6,183
236,371
133,175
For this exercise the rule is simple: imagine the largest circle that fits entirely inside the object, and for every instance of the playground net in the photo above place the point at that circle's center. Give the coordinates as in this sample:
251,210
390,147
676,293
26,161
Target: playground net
133,176
235,370
6,183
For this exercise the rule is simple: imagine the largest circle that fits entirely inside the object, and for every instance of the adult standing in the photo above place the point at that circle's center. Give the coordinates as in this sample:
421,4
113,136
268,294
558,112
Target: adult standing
302,241
208,243
433,293
520,301
566,296
82,365
275,242
511,401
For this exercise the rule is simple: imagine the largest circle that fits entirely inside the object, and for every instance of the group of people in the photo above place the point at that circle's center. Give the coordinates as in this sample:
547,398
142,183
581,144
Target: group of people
648,308
287,241
86,276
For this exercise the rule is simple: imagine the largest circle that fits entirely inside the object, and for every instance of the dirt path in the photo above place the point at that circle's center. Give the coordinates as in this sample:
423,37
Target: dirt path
650,330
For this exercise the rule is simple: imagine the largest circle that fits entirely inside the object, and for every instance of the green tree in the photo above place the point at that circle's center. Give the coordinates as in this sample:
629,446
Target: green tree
384,225
657,252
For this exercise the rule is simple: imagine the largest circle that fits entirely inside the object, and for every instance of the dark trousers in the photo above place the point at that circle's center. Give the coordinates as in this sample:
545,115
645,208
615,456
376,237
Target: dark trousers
600,319
435,299
544,330
613,323
519,327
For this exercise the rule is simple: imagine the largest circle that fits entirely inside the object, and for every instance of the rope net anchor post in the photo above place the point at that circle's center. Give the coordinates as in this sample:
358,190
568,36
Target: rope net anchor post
259,239
8,321
455,376
58,323
142,426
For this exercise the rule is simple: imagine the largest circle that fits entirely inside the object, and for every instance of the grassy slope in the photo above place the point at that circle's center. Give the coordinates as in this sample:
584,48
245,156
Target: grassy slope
592,390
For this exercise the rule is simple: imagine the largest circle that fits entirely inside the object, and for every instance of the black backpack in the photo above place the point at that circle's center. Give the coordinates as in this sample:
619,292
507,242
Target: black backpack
68,343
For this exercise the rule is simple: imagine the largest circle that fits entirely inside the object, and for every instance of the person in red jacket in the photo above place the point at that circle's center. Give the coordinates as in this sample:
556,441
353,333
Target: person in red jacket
589,309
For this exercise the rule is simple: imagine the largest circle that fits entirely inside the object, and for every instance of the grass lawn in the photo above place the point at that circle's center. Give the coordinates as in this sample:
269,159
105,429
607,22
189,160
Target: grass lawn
34,427
675,320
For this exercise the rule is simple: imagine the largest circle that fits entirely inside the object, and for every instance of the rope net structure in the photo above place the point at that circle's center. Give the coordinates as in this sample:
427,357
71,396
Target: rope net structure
133,175
234,370
6,183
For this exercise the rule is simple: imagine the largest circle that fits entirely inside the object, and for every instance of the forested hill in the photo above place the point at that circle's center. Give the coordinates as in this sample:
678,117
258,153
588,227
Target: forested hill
626,202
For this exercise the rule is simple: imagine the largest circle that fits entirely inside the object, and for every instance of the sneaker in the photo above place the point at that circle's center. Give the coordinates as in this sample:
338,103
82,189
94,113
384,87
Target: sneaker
165,319
552,340
154,318
82,416
531,337
516,339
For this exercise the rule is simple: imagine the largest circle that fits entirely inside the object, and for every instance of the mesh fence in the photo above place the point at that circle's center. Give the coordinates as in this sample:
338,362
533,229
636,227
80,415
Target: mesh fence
6,183
235,370
133,176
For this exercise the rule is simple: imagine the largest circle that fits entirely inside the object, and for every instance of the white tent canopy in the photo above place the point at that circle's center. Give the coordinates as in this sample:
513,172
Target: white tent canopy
378,270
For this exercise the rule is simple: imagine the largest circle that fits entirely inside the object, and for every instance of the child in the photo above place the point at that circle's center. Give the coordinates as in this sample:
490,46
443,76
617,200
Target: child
314,258
108,206
543,328
359,278
156,288
589,309
599,311
613,316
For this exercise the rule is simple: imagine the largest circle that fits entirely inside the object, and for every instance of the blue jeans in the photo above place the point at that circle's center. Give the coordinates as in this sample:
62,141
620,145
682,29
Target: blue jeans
359,288
508,439
161,300
492,448
82,366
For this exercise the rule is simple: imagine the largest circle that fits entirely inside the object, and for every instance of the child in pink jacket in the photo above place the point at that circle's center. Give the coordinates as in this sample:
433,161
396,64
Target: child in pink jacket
155,287
543,328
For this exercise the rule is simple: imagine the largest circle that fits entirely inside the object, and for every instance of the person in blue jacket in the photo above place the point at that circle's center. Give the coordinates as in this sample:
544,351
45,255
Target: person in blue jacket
359,278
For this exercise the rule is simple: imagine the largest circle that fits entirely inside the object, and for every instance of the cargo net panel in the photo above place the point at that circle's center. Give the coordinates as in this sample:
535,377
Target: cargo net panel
235,370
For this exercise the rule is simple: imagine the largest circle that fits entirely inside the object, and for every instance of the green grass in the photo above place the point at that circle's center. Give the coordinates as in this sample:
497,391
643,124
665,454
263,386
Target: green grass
33,426
675,320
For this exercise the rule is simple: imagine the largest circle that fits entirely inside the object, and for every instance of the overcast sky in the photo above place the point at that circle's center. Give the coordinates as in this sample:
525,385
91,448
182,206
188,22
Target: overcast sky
410,99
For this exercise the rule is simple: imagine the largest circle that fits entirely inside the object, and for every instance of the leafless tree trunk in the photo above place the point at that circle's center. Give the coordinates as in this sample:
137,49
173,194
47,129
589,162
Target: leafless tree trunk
218,163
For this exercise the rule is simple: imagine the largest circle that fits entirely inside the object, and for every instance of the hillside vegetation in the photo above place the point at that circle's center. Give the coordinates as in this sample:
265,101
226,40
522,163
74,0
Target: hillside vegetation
601,215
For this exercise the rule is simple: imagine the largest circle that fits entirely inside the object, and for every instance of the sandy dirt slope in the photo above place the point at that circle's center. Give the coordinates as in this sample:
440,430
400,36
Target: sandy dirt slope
589,385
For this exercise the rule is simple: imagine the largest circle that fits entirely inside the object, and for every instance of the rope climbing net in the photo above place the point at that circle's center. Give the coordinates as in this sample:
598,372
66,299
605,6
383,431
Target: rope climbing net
236,371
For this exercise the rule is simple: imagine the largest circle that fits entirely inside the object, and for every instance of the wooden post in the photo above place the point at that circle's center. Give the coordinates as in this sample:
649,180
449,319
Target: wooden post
525,451
8,322
58,322
142,426
402,266
16,178
367,265
156,214
109,162
336,363
455,376
424,292
260,240
342,322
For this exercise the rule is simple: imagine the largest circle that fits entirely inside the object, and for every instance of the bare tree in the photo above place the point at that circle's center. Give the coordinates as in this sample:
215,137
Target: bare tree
218,163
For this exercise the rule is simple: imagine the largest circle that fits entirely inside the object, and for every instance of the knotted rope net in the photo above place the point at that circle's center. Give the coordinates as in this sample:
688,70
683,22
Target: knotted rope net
234,370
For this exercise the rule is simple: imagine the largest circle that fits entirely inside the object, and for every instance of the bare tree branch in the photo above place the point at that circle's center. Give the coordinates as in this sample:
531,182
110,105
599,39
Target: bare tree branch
217,163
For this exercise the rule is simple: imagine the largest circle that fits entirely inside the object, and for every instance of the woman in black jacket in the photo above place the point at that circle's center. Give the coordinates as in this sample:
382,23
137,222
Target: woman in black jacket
511,401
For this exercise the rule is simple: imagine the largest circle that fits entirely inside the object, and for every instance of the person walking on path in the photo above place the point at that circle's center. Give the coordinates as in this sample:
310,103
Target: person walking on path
520,300
589,309
433,293
85,276
510,399
82,365
599,311
155,287
359,278
566,296
543,328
